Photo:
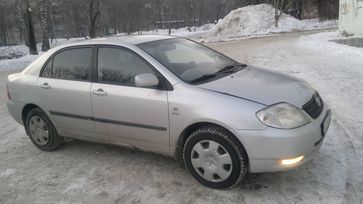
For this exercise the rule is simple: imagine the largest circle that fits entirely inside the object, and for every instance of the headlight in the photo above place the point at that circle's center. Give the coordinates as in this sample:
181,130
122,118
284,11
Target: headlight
283,115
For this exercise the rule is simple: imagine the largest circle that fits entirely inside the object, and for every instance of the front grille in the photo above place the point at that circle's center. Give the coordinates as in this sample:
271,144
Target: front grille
314,107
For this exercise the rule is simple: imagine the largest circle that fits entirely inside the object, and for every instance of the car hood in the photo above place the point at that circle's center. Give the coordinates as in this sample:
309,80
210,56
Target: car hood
263,86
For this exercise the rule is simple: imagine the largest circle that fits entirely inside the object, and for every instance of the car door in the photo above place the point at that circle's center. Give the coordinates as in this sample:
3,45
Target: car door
64,86
125,113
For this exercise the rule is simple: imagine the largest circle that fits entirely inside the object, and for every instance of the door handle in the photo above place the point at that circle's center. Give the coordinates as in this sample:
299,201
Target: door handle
99,92
45,86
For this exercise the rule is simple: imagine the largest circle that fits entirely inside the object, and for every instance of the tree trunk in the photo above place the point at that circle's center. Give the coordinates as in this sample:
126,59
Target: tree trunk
30,30
44,25
51,25
20,22
277,16
281,6
3,31
94,4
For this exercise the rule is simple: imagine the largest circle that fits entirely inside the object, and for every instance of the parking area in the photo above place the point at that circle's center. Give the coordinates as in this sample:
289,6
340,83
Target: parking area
82,172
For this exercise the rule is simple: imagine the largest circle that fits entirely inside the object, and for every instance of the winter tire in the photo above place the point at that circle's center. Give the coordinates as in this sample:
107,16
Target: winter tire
214,158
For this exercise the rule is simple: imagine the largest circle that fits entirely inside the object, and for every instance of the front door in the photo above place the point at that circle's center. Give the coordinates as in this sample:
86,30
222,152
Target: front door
128,114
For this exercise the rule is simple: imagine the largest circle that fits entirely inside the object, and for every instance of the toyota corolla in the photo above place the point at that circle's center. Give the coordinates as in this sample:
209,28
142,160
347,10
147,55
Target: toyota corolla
172,96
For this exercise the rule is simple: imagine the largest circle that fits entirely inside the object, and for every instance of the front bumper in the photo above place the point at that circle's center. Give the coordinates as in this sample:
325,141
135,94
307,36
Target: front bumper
266,148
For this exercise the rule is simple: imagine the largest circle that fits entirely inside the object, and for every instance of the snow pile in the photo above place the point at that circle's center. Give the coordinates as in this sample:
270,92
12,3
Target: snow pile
259,20
17,51
11,52
21,62
17,56
325,42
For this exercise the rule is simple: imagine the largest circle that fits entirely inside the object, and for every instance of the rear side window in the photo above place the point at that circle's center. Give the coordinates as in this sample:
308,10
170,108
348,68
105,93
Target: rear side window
73,64
120,66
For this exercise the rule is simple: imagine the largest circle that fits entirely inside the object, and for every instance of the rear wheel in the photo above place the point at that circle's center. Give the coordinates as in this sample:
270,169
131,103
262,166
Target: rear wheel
214,158
42,131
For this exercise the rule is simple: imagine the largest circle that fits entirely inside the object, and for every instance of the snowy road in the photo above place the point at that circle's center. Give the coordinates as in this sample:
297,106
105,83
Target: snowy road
82,172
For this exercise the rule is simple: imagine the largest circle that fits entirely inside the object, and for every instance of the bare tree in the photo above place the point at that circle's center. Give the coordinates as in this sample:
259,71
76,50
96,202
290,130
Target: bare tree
44,24
3,26
281,6
189,7
32,44
75,18
328,9
297,9
94,13
8,13
221,5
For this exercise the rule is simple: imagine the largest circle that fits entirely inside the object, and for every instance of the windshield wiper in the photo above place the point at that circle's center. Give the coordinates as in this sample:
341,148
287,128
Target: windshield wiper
229,68
224,70
203,77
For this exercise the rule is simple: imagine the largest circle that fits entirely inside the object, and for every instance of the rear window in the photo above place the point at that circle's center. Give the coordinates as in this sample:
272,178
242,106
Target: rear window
71,64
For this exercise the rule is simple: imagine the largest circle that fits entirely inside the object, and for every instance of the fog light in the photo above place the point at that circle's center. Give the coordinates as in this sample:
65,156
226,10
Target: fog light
292,161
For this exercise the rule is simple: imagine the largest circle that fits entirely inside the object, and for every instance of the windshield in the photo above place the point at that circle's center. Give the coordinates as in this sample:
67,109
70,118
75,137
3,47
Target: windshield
188,60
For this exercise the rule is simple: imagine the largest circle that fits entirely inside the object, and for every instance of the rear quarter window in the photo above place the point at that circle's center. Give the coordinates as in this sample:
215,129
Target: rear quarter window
71,64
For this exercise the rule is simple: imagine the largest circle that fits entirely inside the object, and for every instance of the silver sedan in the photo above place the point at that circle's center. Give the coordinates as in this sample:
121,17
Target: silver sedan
172,96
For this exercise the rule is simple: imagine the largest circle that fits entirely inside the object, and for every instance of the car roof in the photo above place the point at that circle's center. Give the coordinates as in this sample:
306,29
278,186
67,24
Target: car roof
127,41
121,40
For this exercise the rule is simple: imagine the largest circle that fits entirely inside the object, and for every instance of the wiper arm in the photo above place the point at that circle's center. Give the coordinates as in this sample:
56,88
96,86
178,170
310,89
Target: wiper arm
229,68
224,70
203,77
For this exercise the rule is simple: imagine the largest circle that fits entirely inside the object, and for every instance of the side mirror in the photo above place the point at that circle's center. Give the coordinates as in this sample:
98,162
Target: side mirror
146,80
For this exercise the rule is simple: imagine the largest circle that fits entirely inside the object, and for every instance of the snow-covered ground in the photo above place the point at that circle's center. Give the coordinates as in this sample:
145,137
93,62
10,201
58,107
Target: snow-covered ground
325,42
338,77
82,172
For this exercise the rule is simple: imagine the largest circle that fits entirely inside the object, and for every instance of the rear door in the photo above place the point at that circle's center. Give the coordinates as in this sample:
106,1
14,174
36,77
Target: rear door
124,113
64,86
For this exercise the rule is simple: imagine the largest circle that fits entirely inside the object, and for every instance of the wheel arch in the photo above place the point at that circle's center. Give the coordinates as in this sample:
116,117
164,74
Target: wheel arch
28,107
178,153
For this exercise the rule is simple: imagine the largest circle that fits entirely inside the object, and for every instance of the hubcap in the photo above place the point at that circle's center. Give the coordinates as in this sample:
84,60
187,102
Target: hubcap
211,161
38,130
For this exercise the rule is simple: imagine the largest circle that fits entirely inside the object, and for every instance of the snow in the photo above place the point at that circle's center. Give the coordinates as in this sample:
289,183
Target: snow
81,172
338,78
193,32
76,185
258,20
11,52
325,41
7,172
249,21
18,55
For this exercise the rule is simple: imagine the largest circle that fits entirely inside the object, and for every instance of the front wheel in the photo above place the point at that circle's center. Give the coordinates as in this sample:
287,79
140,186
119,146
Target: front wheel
214,158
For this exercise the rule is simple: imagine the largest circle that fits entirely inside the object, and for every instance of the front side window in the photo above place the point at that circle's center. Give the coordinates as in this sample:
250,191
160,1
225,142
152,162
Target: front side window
120,66
73,64
188,60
